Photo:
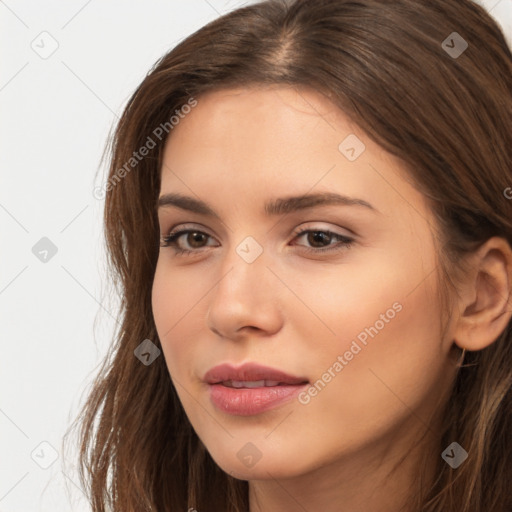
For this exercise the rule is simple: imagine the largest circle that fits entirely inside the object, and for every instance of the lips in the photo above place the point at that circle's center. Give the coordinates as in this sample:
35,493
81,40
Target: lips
250,373
251,388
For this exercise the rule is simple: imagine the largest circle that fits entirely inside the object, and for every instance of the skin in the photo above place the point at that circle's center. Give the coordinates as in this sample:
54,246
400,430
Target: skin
298,311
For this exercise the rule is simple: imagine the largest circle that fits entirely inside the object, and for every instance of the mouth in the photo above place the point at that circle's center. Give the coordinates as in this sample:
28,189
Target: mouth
251,388
250,375
252,383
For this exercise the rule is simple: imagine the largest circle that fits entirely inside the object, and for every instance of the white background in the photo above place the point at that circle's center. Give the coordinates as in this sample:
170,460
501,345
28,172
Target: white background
56,115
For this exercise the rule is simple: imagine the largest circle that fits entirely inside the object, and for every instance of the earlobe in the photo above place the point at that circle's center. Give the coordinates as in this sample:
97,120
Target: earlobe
486,306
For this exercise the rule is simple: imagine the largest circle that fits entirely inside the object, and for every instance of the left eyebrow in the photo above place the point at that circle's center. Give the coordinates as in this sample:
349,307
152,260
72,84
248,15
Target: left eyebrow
278,206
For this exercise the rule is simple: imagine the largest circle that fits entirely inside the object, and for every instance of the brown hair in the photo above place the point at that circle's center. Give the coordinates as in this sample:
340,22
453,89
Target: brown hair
448,117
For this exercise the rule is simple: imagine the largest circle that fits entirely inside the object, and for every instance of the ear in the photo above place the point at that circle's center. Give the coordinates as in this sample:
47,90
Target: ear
486,299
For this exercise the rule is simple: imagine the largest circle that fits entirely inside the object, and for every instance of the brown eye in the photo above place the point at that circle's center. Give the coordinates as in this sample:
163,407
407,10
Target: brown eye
319,237
194,239
319,240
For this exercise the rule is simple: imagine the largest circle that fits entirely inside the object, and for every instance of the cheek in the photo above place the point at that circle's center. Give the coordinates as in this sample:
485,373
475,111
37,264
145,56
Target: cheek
387,332
373,294
178,300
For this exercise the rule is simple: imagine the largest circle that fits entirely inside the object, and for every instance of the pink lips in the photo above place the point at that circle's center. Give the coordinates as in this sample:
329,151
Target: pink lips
251,388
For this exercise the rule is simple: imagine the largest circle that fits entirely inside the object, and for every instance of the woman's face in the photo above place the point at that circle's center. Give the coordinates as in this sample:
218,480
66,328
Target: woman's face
358,321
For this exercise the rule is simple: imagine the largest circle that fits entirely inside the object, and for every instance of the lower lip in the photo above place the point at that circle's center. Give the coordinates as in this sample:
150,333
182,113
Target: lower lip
250,401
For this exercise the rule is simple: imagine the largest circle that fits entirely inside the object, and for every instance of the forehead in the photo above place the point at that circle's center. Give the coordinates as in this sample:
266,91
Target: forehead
257,111
249,142
259,129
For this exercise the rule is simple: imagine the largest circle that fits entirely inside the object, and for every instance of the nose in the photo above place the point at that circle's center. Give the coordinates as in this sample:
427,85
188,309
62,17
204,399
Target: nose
245,301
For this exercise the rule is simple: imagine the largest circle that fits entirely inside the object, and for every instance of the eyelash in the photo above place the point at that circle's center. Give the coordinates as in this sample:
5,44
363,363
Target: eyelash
170,240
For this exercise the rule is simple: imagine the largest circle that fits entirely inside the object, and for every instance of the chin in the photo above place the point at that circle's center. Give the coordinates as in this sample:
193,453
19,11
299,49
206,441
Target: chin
278,466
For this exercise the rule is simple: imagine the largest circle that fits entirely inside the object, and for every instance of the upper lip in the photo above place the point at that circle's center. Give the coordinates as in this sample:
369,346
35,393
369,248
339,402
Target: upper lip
249,372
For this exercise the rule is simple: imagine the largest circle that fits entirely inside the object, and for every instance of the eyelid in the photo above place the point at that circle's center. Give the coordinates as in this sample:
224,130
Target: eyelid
316,226
297,230
185,226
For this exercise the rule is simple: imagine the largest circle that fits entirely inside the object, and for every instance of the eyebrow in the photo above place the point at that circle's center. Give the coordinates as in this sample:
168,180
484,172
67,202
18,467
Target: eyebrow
273,207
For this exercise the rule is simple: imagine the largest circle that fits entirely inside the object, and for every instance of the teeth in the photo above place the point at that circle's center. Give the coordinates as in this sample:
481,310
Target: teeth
250,383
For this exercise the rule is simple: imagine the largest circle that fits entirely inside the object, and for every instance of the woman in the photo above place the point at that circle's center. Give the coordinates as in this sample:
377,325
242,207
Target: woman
309,215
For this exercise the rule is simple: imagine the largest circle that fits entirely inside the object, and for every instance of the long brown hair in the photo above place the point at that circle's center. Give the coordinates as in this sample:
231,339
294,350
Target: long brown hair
387,65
